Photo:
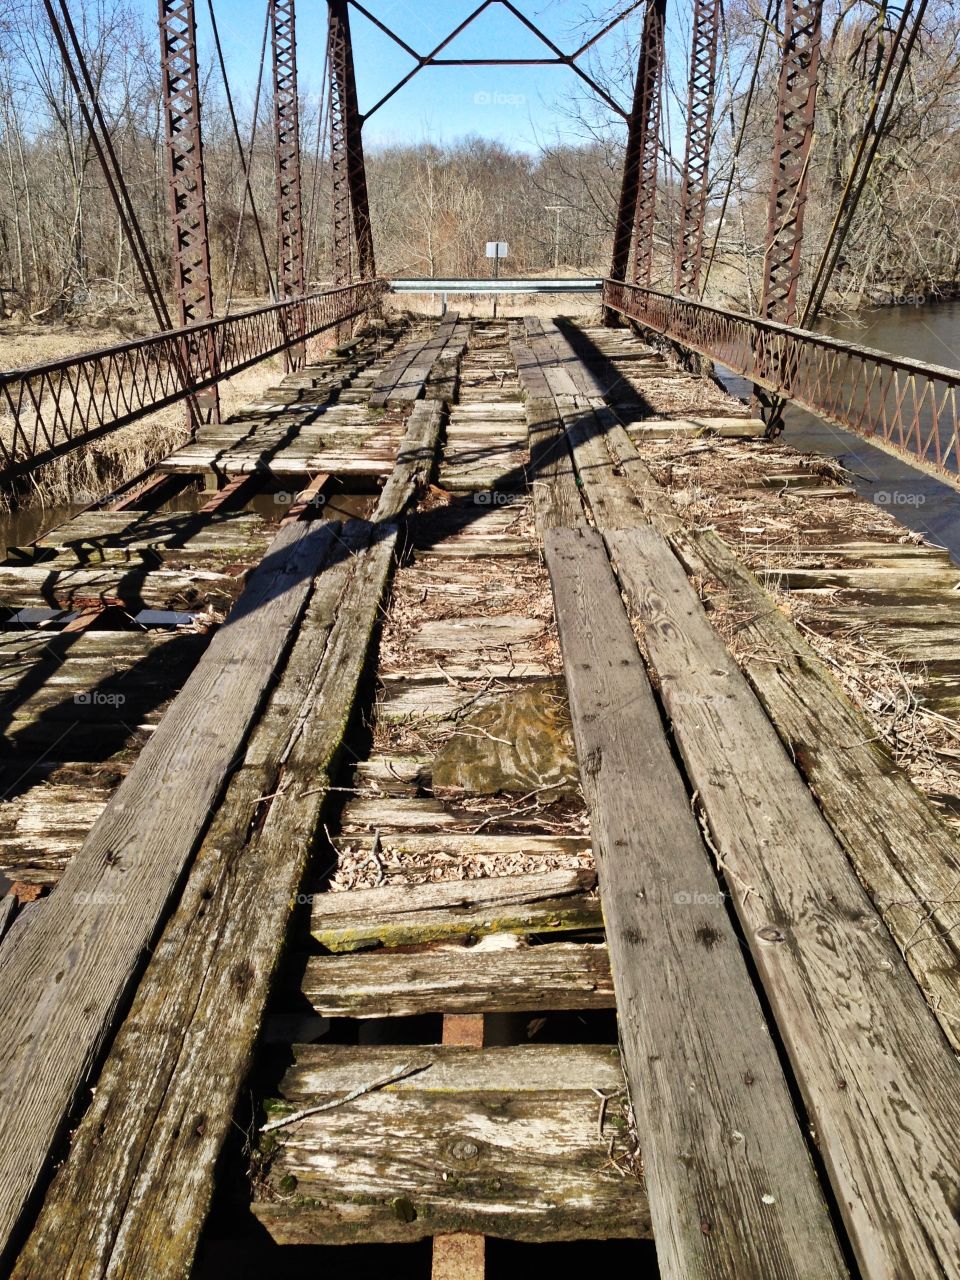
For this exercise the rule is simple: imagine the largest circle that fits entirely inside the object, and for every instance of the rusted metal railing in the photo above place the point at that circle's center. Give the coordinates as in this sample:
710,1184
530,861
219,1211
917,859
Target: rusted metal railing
910,404
50,408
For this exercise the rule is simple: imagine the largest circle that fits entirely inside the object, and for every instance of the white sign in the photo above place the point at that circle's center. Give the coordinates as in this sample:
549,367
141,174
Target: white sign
497,248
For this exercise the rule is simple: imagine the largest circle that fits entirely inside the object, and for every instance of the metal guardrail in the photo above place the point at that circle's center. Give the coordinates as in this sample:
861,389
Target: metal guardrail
910,404
504,284
50,408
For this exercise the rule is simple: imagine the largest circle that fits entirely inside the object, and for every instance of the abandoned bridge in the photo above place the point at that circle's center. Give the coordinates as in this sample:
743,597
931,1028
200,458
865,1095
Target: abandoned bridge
446,807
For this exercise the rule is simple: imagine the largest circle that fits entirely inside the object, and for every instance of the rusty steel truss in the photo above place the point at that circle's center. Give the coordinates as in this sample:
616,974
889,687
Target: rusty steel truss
793,137
180,80
351,206
346,119
633,229
909,404
291,277
50,408
701,97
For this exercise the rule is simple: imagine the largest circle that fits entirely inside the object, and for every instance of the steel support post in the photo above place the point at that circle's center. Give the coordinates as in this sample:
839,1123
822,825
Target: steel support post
291,271
793,136
351,201
701,98
185,182
634,225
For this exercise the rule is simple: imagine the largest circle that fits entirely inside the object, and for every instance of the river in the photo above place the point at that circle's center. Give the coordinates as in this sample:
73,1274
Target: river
925,331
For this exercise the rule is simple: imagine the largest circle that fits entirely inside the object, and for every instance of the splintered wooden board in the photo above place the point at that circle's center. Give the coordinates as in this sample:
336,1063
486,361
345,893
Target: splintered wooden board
668,428
487,978
97,533
44,825
134,586
509,1142
557,902
733,1189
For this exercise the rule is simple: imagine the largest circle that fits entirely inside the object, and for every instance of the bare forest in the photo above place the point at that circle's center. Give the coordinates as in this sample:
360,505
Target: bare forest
62,253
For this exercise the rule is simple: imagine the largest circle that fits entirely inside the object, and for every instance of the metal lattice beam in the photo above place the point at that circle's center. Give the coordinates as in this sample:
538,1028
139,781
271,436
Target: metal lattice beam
634,225
192,281
351,206
696,162
291,275
796,112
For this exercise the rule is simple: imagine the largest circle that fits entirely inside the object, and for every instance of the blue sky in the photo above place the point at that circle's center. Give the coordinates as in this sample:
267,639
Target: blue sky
516,105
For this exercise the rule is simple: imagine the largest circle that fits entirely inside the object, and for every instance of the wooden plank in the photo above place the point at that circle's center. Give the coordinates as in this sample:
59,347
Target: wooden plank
320,1071
506,1142
496,976
732,1188
556,497
401,914
804,913
902,849
64,980
133,1155
671,428
388,379
133,586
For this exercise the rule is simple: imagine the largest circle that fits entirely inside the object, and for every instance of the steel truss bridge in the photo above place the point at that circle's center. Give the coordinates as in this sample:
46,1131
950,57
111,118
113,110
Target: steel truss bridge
467,832
60,405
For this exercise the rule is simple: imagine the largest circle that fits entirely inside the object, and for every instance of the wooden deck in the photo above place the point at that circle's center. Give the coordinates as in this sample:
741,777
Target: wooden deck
472,808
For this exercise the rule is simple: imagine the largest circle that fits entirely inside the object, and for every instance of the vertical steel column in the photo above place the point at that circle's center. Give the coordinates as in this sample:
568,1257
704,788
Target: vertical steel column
652,68
291,277
291,273
185,181
796,112
350,198
634,225
696,161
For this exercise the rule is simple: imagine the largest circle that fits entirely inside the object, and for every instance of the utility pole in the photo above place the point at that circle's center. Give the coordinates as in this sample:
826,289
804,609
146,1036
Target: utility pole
557,209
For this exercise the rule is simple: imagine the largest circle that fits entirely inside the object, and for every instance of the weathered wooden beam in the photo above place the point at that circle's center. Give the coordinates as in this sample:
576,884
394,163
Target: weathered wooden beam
401,915
830,970
487,978
146,1149
509,1142
63,982
732,1187
903,851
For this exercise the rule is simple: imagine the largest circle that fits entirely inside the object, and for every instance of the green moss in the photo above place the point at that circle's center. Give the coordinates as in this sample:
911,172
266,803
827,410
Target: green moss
404,1209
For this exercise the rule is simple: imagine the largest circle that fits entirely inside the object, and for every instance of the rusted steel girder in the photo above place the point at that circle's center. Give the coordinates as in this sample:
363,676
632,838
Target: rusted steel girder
350,200
638,190
185,179
701,98
291,273
793,136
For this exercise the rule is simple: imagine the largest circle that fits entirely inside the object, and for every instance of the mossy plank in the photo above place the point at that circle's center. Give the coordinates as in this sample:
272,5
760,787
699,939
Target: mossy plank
483,978
506,1142
401,915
